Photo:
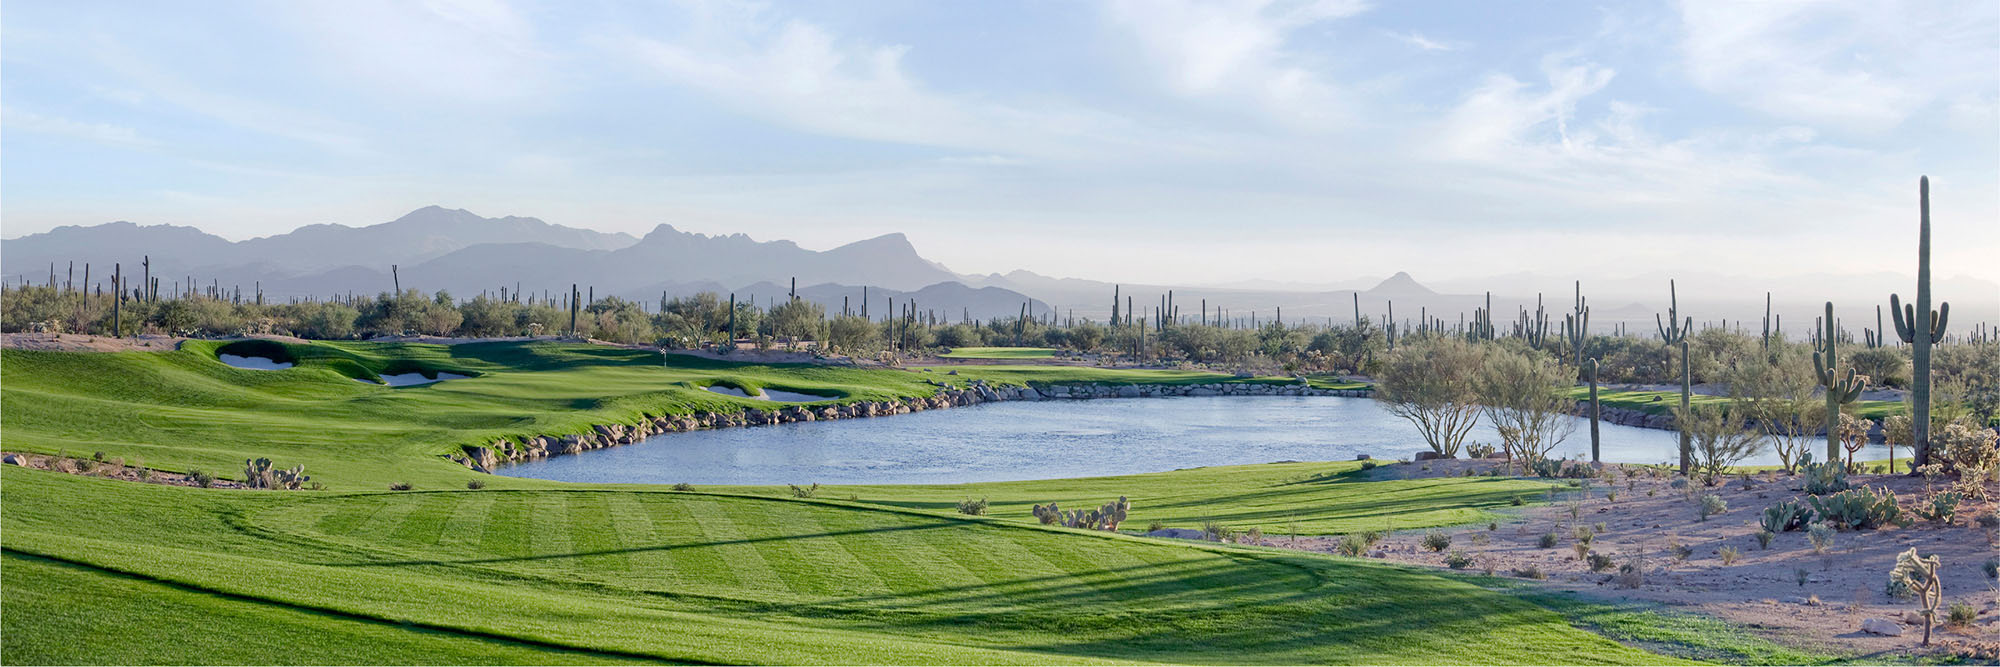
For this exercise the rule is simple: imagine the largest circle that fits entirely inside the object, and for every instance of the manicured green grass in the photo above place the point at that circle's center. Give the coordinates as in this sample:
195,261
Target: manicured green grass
689,576
536,571
1277,498
1663,402
59,612
1022,374
1000,353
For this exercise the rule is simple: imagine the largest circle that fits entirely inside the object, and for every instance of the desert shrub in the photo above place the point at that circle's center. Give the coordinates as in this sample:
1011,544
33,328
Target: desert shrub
1960,614
1989,520
1971,454
1582,534
1858,509
1548,540
1218,531
260,474
1821,537
807,491
475,484
1516,501
1728,555
1632,574
1787,516
1353,545
202,478
1799,574
400,486
1457,560
1939,507
1991,567
1711,505
1611,495
1822,478
1529,572
1764,539
1253,536
1481,539
683,486
972,507
1480,450
1582,549
1367,465
1155,527
1598,562
1436,541
1680,551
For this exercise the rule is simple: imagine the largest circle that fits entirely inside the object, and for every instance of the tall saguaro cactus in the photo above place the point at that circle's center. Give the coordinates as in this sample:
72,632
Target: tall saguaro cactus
1576,326
1675,332
1921,327
1590,373
1839,391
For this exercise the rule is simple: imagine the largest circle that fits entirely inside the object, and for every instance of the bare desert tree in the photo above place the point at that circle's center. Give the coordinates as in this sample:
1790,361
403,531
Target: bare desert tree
1525,395
1719,436
1780,395
1430,382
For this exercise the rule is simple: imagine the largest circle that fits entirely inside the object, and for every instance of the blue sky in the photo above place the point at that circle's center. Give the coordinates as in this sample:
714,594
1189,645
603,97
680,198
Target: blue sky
1151,140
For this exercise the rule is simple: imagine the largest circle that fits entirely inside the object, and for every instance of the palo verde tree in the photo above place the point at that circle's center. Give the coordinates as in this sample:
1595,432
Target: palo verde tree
1430,382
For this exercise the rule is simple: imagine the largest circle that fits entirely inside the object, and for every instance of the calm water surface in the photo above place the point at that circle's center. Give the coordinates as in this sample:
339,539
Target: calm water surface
1050,440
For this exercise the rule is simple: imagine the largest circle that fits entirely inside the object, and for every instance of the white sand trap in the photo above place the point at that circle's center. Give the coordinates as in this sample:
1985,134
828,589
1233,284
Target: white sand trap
254,363
410,379
774,395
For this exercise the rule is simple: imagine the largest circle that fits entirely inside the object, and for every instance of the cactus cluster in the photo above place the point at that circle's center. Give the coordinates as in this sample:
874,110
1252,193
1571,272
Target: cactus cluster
1535,328
1839,391
1106,517
261,474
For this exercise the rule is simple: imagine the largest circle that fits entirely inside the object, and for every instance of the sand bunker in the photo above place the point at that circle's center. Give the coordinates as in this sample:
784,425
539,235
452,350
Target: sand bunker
410,379
254,363
774,395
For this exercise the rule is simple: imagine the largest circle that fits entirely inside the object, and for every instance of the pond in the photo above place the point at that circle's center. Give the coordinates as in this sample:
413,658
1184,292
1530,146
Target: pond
1052,439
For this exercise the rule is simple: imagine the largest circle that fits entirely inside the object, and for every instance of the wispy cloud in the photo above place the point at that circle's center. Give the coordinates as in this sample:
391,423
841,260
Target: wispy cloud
101,133
1425,43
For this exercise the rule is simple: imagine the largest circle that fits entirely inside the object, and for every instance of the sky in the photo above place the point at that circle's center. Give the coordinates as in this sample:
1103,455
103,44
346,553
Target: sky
1166,141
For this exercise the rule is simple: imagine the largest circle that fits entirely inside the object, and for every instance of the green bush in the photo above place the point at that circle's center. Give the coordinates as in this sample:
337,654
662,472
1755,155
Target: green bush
1458,560
1764,539
1548,540
1436,541
683,486
972,507
400,486
1711,505
1858,509
201,478
1598,562
475,484
1353,545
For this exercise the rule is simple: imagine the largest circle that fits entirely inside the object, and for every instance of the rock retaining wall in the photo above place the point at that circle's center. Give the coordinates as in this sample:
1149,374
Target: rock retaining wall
507,450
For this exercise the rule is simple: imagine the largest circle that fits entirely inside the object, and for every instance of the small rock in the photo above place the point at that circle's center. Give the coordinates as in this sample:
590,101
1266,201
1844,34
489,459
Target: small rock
1881,626
1360,457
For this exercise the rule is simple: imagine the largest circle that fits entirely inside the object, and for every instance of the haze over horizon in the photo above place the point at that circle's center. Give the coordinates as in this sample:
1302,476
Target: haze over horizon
1302,142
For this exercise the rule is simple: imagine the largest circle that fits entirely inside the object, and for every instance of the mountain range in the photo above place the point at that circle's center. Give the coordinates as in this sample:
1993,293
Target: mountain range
435,248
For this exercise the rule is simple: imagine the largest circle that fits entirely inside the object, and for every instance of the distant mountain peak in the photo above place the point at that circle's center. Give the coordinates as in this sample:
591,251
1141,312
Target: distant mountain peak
1401,284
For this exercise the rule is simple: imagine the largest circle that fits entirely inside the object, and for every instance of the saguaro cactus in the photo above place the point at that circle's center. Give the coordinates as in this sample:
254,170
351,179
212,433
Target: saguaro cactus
1590,373
1839,391
1576,326
1675,332
1921,327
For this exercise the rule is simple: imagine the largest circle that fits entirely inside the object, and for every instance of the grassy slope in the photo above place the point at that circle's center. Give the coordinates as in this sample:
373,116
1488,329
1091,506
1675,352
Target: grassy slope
1000,353
744,579
1279,498
503,575
1663,402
